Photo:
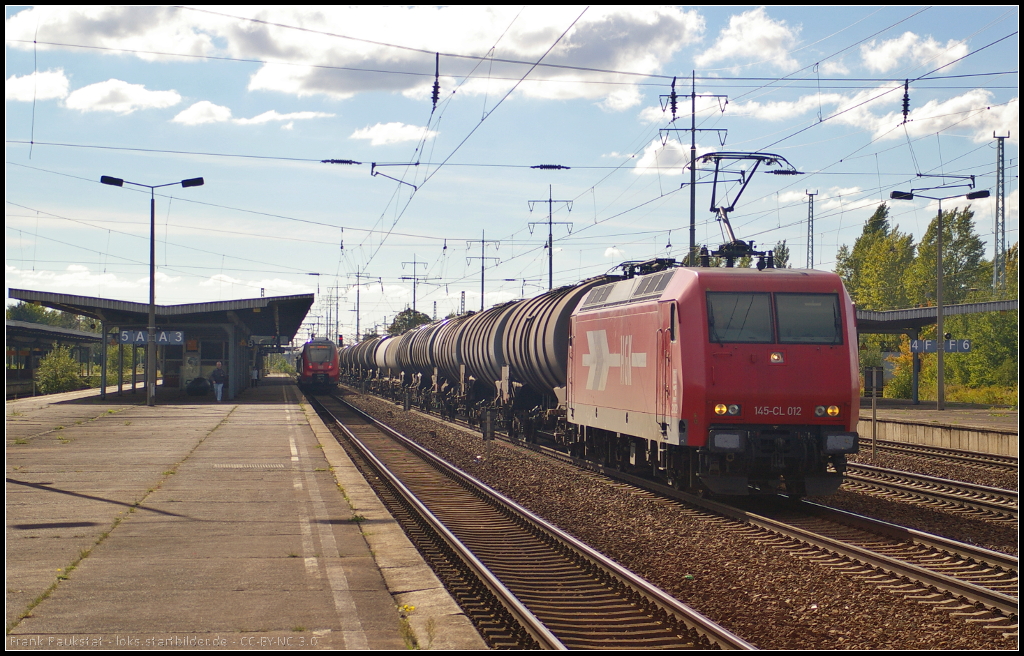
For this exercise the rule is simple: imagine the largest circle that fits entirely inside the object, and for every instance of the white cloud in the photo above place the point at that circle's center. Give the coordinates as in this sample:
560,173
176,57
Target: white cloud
640,39
203,111
120,97
220,279
781,110
910,49
39,86
75,277
970,112
388,133
140,28
667,159
834,68
753,35
623,99
272,115
704,107
614,252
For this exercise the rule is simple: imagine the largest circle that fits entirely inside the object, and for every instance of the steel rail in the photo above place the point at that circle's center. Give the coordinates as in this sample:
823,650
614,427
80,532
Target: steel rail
870,475
989,460
540,633
976,594
694,620
896,532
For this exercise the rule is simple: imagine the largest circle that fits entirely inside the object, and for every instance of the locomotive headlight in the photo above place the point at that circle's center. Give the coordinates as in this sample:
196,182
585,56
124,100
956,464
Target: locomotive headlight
734,409
840,443
819,411
833,411
721,409
776,357
731,441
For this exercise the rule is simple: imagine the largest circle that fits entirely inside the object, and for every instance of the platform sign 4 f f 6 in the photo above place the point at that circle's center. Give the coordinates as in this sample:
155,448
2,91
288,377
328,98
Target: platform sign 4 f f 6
931,346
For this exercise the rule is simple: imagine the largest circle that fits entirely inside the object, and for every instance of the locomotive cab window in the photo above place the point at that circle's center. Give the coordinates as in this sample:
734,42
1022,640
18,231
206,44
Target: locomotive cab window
809,318
739,317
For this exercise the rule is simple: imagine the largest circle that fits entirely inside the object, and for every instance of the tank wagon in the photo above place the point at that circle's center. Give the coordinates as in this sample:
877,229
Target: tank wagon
317,364
731,380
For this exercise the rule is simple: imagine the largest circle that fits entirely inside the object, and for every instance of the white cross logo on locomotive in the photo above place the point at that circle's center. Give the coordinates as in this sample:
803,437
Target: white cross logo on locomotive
600,360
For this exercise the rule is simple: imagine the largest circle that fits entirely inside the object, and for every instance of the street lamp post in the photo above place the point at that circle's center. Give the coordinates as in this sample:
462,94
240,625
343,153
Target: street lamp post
151,338
940,346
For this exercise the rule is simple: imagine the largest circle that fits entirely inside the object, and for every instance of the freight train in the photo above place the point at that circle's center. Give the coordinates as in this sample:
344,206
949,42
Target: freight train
317,366
729,380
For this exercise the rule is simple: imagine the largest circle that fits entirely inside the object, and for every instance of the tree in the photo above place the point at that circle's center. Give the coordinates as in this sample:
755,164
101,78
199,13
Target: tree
406,320
781,253
849,263
33,313
963,269
58,372
882,279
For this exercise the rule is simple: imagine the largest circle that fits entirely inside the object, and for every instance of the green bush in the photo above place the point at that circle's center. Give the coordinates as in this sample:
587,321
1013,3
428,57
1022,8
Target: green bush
58,372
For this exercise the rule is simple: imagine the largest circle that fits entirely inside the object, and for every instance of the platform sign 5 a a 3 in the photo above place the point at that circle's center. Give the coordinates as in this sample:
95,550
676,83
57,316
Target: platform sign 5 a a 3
163,337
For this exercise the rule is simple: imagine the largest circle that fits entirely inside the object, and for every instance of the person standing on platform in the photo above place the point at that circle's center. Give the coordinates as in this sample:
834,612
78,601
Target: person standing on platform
218,377
255,376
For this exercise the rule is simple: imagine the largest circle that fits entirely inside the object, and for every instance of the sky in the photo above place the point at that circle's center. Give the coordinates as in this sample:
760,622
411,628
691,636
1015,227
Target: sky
254,100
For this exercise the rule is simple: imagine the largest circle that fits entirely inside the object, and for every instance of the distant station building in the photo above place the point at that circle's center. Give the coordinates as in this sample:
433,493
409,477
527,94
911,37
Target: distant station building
191,338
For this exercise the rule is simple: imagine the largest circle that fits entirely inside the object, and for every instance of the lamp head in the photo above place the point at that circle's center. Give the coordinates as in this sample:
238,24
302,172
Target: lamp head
974,195
901,195
117,182
192,182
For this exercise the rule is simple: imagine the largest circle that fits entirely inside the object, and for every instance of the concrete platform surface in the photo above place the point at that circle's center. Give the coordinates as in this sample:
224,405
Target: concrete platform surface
955,415
196,524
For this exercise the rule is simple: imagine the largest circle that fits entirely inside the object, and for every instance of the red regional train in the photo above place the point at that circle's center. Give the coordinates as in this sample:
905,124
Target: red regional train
733,380
317,364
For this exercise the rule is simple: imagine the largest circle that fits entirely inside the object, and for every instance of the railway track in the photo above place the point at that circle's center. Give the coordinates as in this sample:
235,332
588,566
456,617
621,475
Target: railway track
525,583
969,582
982,460
986,502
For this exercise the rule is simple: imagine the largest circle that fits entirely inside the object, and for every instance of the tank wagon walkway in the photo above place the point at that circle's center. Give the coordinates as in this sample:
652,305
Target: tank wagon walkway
201,524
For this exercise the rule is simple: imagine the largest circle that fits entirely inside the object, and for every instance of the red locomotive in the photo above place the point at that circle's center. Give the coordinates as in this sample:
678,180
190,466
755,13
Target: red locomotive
732,380
317,365
743,380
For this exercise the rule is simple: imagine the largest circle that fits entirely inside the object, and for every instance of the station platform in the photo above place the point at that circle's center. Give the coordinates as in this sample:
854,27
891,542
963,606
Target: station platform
197,524
959,426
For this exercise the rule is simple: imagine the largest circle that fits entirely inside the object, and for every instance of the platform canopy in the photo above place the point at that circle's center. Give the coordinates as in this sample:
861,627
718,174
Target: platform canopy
265,316
910,321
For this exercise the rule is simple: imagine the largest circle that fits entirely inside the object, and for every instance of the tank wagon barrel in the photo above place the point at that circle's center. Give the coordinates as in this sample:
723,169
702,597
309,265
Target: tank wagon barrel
445,350
481,344
421,348
378,353
535,340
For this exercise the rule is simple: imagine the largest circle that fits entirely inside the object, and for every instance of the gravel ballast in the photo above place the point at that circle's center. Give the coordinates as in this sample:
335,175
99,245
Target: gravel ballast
769,597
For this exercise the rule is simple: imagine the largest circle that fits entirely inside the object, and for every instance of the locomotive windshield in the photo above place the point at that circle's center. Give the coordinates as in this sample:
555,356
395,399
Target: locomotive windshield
319,352
809,319
739,317
746,317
